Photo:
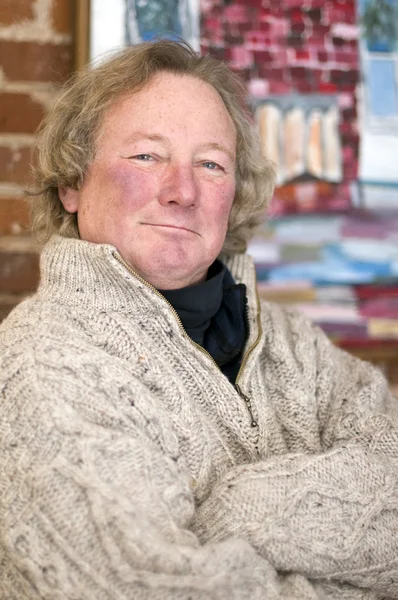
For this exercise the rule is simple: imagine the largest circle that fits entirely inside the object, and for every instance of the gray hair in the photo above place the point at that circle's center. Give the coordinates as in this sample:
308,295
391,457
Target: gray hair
65,143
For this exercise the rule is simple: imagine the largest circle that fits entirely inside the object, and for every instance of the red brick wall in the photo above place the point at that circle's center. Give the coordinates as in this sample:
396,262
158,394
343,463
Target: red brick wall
291,46
36,55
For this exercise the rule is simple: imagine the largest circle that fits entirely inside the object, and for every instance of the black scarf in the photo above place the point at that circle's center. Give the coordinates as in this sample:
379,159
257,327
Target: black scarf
213,314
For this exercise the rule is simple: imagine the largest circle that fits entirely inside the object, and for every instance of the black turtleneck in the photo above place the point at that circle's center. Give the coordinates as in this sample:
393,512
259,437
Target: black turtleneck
213,314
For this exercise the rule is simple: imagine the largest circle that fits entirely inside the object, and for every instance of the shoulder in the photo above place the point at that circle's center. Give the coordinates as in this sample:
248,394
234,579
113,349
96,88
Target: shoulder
289,324
294,338
295,342
37,333
46,353
53,375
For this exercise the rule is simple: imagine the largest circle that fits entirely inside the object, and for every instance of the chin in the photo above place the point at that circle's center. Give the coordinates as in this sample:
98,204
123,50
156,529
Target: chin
175,275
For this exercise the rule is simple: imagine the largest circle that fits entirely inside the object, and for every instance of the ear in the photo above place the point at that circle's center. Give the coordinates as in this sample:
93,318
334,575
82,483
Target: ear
70,198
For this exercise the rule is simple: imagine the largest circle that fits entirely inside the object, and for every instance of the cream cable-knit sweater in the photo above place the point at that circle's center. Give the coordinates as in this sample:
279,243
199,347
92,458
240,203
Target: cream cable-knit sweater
131,469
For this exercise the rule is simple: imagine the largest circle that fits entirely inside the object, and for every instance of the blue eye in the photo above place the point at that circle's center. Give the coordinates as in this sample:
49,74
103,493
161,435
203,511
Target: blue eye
144,157
211,165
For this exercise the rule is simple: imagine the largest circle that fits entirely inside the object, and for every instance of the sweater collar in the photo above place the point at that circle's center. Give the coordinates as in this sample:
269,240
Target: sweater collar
94,277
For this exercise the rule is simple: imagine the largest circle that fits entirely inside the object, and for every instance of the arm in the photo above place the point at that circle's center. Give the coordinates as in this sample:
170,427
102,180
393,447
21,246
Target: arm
96,502
332,514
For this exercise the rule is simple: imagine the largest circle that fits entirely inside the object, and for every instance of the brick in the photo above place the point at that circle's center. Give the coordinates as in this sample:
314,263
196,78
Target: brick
282,58
348,154
251,3
19,271
323,56
291,4
341,15
315,76
277,10
19,113
241,58
298,73
314,14
14,216
267,71
338,76
61,16
348,58
234,39
280,27
264,13
303,55
327,88
316,42
298,27
350,138
295,40
279,87
245,74
14,165
296,15
265,26
263,56
348,88
304,87
255,37
338,42
346,127
217,52
14,11
235,13
320,30
212,24
30,61
245,27
316,4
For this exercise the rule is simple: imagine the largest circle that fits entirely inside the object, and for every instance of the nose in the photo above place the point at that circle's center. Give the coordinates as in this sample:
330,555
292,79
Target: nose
178,186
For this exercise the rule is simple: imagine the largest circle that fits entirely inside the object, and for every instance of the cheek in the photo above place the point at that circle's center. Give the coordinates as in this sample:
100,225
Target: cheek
224,202
130,188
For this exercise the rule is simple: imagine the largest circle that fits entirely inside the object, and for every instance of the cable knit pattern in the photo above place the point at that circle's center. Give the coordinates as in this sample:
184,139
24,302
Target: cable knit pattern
130,467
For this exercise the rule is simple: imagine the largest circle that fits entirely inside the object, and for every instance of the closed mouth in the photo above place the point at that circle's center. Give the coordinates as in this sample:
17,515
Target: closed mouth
170,226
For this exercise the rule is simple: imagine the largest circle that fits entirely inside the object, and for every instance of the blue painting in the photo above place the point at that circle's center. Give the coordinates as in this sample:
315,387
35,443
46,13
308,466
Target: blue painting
168,19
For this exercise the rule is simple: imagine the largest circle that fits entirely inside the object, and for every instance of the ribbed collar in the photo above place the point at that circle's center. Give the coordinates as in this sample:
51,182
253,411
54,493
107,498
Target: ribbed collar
93,276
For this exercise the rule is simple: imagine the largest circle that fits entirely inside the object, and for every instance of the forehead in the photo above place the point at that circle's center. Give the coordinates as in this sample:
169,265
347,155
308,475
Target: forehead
172,101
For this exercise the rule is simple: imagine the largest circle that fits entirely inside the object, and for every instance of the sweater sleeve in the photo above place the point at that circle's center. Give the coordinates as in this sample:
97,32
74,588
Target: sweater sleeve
96,502
331,514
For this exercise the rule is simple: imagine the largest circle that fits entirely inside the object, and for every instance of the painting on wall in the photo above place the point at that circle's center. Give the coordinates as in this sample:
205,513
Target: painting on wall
125,22
330,246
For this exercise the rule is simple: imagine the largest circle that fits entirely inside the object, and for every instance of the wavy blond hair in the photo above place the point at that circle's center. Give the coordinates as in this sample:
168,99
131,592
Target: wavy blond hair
65,143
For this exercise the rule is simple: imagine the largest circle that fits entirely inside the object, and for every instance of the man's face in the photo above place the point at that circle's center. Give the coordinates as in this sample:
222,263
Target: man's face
161,185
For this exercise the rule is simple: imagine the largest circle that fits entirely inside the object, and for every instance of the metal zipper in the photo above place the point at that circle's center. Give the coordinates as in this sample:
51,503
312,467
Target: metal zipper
260,331
237,387
248,404
246,399
175,313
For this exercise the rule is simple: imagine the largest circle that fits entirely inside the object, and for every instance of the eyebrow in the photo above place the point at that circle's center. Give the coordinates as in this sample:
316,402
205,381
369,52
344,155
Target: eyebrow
220,147
141,135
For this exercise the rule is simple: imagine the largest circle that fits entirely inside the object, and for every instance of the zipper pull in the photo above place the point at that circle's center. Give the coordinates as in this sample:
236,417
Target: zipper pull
248,404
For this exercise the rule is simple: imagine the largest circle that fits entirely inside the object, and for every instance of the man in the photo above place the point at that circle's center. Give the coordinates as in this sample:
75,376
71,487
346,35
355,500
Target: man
162,434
